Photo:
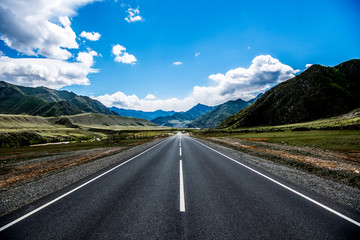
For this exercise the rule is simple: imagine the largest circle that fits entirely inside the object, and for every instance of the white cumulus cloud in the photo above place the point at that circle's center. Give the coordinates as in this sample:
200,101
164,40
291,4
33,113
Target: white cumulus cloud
197,54
87,58
121,100
134,15
308,65
177,63
122,56
150,97
38,27
65,21
52,73
264,72
92,36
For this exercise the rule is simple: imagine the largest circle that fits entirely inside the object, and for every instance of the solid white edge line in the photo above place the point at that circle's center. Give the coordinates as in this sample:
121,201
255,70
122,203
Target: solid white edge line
73,190
182,198
286,187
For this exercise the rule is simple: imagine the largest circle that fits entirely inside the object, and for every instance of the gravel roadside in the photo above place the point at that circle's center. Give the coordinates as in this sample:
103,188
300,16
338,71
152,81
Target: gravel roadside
340,193
14,198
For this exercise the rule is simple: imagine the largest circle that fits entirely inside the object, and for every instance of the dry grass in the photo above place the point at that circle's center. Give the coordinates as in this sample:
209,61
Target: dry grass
20,172
342,166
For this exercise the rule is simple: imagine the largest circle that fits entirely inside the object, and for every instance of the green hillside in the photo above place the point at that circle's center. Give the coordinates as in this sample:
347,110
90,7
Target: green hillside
101,121
16,122
319,92
80,121
41,101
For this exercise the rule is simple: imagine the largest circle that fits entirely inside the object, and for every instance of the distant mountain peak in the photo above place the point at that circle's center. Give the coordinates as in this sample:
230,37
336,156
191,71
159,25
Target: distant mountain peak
218,114
141,114
182,119
200,105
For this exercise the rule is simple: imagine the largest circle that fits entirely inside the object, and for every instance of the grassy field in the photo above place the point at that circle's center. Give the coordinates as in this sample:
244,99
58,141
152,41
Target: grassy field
26,140
22,130
19,165
338,133
350,121
129,139
12,123
340,140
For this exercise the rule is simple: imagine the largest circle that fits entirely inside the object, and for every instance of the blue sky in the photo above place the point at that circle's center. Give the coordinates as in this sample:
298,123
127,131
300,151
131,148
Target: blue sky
123,53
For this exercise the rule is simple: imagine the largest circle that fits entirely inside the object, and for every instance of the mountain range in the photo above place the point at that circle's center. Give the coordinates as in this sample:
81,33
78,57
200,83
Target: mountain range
42,101
319,92
141,114
182,119
205,116
214,117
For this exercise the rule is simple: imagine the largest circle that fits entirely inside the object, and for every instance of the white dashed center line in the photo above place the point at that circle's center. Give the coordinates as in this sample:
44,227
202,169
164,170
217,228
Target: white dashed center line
182,198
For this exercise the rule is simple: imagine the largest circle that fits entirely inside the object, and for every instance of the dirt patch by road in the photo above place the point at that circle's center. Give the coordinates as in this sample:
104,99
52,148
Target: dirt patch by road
257,139
340,166
25,171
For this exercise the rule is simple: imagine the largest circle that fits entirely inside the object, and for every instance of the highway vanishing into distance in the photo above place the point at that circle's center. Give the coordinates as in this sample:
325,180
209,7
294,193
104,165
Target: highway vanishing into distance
181,189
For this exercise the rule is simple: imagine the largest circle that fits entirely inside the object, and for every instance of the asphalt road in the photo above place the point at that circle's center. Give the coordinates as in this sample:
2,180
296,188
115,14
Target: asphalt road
180,189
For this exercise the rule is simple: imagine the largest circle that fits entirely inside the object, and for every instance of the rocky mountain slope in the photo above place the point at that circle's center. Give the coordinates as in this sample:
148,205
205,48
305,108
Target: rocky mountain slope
214,117
318,92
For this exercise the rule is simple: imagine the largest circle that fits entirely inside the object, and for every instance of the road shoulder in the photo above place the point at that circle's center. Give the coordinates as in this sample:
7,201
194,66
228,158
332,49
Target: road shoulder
17,197
333,191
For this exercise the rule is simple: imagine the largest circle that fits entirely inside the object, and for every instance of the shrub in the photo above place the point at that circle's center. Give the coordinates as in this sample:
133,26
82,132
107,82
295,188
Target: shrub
20,139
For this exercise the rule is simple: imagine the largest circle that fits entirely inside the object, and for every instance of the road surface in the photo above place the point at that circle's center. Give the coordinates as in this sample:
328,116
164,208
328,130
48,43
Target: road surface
180,189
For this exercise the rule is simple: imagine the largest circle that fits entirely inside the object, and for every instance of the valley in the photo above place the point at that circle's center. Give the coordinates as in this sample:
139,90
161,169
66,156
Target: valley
48,147
179,120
